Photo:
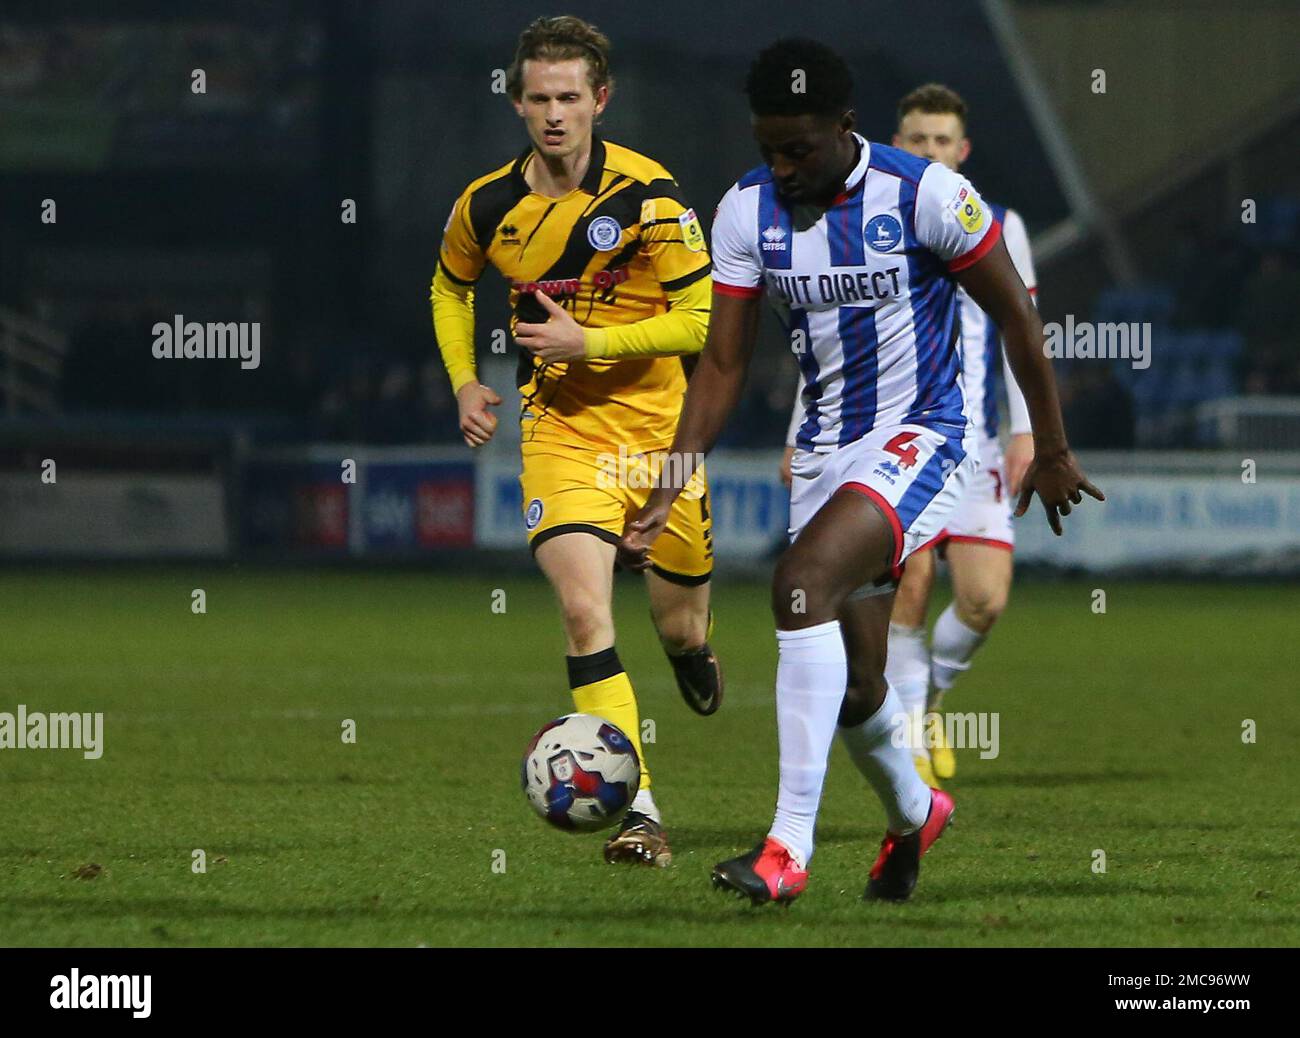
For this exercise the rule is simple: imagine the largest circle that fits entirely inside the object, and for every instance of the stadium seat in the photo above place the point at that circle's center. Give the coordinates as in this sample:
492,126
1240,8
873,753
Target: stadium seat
1277,223
1185,384
1220,380
1226,346
1152,304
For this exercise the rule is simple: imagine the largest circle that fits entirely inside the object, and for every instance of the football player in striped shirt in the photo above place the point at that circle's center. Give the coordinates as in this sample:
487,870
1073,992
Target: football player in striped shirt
861,248
979,538
608,274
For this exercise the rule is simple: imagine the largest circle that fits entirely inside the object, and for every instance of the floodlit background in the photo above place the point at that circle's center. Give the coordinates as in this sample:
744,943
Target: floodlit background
180,552
1150,148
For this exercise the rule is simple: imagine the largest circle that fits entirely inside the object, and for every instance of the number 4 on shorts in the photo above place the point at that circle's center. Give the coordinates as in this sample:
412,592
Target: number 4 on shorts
898,447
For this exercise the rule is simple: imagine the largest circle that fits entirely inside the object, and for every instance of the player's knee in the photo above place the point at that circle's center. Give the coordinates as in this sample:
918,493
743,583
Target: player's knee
683,629
910,605
587,624
801,592
980,609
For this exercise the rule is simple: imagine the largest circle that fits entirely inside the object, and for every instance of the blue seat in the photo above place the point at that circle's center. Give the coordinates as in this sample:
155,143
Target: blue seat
1228,346
1195,345
1220,381
1151,304
1277,222
1185,384
1148,389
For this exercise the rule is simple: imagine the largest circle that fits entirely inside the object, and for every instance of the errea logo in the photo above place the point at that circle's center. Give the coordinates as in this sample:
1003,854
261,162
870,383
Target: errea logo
774,239
73,991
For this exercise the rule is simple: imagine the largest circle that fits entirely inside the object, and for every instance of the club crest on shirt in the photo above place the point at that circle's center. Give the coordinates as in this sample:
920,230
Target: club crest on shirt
603,233
970,214
534,514
692,233
882,232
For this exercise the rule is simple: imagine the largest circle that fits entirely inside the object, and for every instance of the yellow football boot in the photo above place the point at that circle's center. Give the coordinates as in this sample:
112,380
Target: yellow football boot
926,771
942,759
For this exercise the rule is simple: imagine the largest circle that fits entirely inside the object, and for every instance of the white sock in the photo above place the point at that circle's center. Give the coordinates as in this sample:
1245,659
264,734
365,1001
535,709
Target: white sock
645,803
879,749
953,645
907,669
811,674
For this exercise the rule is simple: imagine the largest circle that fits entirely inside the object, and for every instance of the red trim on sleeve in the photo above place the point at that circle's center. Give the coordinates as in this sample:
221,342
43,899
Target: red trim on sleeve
738,291
896,571
981,250
1033,291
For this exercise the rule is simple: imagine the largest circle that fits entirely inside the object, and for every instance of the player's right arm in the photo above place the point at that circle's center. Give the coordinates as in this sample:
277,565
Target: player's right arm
460,263
715,388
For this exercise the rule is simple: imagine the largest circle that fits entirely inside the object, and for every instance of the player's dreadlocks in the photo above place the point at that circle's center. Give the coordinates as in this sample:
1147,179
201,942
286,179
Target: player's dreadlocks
799,77
560,39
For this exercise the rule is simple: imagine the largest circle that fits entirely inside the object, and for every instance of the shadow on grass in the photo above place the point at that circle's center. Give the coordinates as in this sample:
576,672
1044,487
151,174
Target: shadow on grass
142,854
1101,889
876,924
1047,779
741,839
339,778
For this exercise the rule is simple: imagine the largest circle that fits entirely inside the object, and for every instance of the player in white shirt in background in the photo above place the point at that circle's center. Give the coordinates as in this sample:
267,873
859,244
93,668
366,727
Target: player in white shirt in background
978,539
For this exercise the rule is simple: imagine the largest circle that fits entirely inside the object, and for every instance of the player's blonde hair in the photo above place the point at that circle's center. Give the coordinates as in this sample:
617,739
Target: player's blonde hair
561,39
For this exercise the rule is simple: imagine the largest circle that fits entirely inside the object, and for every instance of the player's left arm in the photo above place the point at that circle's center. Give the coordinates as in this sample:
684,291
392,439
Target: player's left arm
673,243
952,221
1054,473
1020,446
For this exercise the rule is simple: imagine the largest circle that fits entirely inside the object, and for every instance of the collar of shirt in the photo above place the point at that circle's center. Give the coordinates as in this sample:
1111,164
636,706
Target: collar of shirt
859,171
590,180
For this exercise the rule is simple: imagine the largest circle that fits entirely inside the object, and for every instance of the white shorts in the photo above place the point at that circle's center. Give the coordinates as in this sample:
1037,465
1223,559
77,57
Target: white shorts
914,473
983,515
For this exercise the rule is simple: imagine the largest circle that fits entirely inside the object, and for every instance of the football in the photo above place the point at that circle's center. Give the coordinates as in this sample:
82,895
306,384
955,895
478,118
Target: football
580,773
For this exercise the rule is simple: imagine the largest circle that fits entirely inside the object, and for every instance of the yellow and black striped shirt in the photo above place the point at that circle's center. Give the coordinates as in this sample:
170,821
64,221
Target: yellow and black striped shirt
618,249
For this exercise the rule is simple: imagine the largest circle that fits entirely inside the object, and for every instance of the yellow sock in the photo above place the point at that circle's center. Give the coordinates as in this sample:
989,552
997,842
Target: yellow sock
609,696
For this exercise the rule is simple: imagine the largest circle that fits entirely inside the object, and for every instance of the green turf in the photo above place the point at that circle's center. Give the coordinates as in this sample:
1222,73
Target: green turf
1119,732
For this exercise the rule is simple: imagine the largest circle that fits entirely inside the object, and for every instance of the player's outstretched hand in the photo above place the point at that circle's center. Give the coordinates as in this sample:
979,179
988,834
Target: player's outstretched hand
639,534
1059,484
559,339
477,423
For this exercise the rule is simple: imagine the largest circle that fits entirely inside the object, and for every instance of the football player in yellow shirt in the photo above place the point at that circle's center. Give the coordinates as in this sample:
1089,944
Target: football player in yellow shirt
609,288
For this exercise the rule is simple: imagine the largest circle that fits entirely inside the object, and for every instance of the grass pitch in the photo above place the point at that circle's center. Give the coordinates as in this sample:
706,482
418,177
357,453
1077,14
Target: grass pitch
1120,732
